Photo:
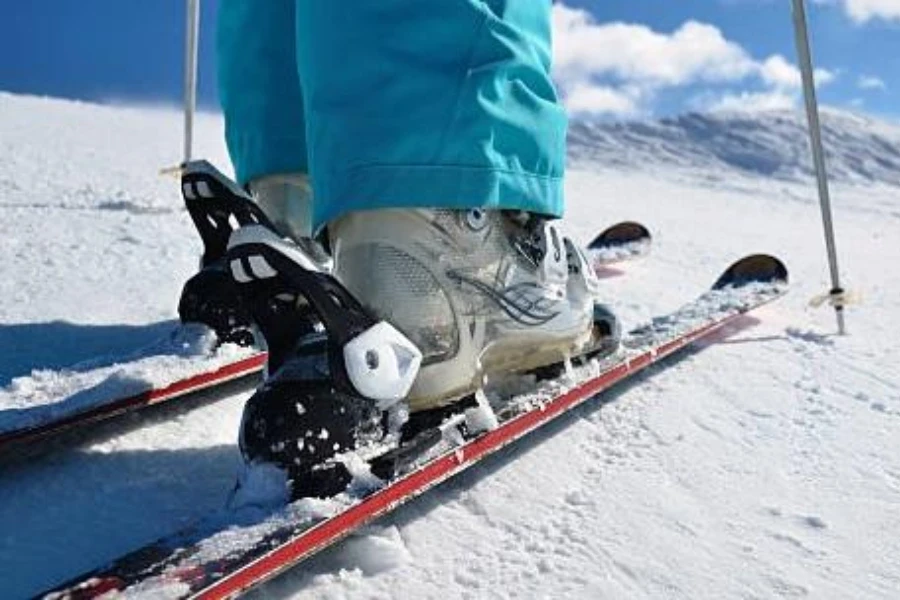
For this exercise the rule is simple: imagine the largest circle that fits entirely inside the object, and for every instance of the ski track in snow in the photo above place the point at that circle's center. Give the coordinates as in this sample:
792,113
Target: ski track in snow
765,465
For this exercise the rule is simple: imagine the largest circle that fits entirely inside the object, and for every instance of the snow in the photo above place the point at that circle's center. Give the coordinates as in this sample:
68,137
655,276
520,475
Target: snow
766,464
481,417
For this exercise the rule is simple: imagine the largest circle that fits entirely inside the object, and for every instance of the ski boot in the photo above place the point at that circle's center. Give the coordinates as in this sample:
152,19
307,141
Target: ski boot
480,293
334,388
287,201
473,293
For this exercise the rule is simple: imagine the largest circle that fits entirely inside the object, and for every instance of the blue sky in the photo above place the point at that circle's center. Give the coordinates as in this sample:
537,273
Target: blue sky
615,59
855,45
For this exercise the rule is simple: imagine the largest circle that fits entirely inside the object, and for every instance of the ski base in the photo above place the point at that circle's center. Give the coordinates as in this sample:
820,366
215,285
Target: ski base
227,555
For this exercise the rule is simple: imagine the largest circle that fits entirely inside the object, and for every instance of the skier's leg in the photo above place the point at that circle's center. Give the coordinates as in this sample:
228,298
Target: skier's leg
443,103
263,106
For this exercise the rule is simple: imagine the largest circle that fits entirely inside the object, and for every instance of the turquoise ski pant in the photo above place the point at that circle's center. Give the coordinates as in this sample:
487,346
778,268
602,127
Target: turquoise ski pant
395,103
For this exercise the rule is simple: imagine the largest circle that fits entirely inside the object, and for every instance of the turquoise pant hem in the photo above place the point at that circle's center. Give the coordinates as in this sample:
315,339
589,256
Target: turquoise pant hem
395,103
256,155
455,187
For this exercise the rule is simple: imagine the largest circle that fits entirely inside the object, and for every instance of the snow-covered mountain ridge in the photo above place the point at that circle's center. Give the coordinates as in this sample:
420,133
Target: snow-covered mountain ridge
773,144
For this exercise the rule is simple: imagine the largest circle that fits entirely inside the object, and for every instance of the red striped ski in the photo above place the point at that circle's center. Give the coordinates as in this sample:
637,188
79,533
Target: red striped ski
73,411
220,558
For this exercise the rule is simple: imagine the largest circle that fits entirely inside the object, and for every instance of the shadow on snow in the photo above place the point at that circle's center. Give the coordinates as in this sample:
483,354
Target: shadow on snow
77,510
59,344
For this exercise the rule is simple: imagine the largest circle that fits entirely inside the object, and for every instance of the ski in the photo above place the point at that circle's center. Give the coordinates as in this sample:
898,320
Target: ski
46,404
230,552
619,243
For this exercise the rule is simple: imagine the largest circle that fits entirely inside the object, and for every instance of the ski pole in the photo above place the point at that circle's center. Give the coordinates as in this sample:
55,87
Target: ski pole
801,33
192,29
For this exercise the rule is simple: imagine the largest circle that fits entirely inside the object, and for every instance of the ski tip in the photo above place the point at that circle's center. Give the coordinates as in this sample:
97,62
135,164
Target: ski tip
757,268
626,232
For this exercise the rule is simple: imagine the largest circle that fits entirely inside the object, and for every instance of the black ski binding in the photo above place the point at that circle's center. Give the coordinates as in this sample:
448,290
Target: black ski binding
334,385
217,206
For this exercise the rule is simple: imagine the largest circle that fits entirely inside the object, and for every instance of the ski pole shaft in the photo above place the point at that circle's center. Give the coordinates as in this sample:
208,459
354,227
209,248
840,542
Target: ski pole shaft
192,28
804,53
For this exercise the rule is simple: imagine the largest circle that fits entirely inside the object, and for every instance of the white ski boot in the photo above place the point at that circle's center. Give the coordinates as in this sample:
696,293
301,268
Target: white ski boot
479,292
287,199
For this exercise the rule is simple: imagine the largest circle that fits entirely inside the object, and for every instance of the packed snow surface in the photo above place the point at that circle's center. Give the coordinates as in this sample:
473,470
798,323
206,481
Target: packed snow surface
766,464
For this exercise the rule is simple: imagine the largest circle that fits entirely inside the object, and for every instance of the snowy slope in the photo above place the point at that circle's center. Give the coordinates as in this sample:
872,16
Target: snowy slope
766,465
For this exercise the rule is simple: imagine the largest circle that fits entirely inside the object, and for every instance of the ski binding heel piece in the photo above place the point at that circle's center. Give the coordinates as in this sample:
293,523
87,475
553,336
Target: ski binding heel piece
382,364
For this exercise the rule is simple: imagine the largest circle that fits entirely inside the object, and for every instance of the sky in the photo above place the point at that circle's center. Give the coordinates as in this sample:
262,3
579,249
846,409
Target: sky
613,58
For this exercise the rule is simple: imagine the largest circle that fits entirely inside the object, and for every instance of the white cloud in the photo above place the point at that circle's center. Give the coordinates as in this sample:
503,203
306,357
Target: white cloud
869,82
615,68
779,73
755,101
583,98
862,11
695,51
